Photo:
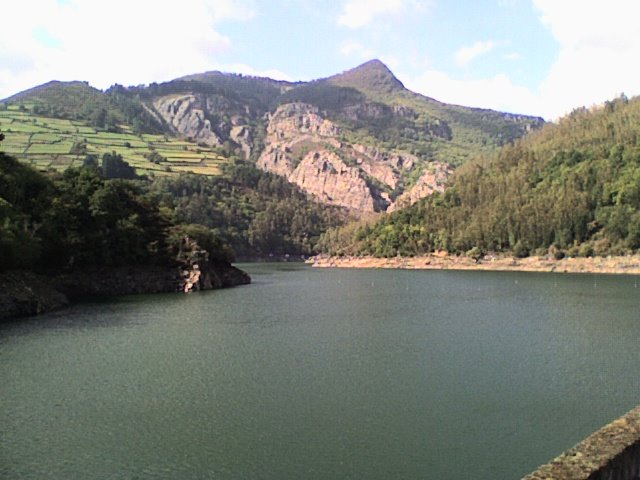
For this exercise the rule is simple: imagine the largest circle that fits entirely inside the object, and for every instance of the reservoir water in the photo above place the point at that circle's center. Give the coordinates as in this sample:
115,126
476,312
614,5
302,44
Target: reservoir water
321,374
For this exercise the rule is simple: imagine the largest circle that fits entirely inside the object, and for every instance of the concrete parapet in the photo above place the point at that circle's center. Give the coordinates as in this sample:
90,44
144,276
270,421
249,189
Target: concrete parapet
611,453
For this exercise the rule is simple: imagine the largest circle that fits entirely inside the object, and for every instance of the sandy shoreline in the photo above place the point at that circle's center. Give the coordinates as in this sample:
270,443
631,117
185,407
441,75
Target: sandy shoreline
629,265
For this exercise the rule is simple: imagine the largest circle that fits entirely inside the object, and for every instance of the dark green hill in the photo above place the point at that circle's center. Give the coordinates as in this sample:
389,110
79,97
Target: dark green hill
68,100
570,188
63,97
79,101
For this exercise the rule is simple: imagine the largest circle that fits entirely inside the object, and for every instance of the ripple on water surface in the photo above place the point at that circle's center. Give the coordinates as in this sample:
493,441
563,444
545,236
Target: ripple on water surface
321,374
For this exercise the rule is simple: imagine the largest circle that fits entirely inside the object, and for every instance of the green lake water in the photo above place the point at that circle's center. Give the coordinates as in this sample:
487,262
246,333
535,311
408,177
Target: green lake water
321,374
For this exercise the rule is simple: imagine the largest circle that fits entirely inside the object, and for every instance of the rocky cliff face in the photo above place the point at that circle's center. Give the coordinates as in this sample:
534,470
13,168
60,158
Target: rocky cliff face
293,119
323,174
206,119
433,179
186,114
309,151
386,167
320,135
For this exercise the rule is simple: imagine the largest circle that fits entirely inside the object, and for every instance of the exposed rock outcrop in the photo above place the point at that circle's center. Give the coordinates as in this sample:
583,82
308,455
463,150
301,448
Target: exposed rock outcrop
199,271
241,134
278,160
433,179
299,147
293,119
367,110
205,119
323,174
309,151
386,167
186,115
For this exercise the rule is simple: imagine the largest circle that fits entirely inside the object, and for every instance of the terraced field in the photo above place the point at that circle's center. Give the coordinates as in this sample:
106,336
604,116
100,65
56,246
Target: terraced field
51,143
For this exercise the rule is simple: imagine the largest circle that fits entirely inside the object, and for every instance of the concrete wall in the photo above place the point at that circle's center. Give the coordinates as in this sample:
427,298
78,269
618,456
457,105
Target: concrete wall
611,453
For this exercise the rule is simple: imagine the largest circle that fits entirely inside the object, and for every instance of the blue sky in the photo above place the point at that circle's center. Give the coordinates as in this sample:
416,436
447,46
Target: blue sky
542,57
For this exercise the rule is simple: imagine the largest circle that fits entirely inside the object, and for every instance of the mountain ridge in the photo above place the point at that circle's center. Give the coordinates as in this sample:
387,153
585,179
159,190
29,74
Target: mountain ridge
365,76
367,127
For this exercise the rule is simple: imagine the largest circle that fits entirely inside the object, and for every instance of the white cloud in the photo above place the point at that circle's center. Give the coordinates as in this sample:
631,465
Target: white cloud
123,41
352,48
497,93
250,71
390,61
599,49
513,56
466,54
360,13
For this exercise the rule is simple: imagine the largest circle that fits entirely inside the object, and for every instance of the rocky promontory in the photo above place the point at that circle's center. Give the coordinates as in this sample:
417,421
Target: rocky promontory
24,293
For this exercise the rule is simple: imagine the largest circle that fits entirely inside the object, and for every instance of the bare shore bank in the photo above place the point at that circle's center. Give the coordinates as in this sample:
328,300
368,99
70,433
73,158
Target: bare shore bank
629,265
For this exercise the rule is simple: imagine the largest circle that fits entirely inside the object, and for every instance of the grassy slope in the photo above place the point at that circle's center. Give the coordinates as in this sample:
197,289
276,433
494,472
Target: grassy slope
49,143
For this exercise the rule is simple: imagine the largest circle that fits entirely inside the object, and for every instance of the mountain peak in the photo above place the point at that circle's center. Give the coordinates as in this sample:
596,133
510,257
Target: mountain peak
370,76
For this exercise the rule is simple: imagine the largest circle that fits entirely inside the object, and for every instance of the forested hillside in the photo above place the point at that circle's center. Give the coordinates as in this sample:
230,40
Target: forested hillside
570,188
258,214
79,219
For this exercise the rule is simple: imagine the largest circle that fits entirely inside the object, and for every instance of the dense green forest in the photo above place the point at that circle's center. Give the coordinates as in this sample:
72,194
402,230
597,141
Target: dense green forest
77,219
571,188
258,213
